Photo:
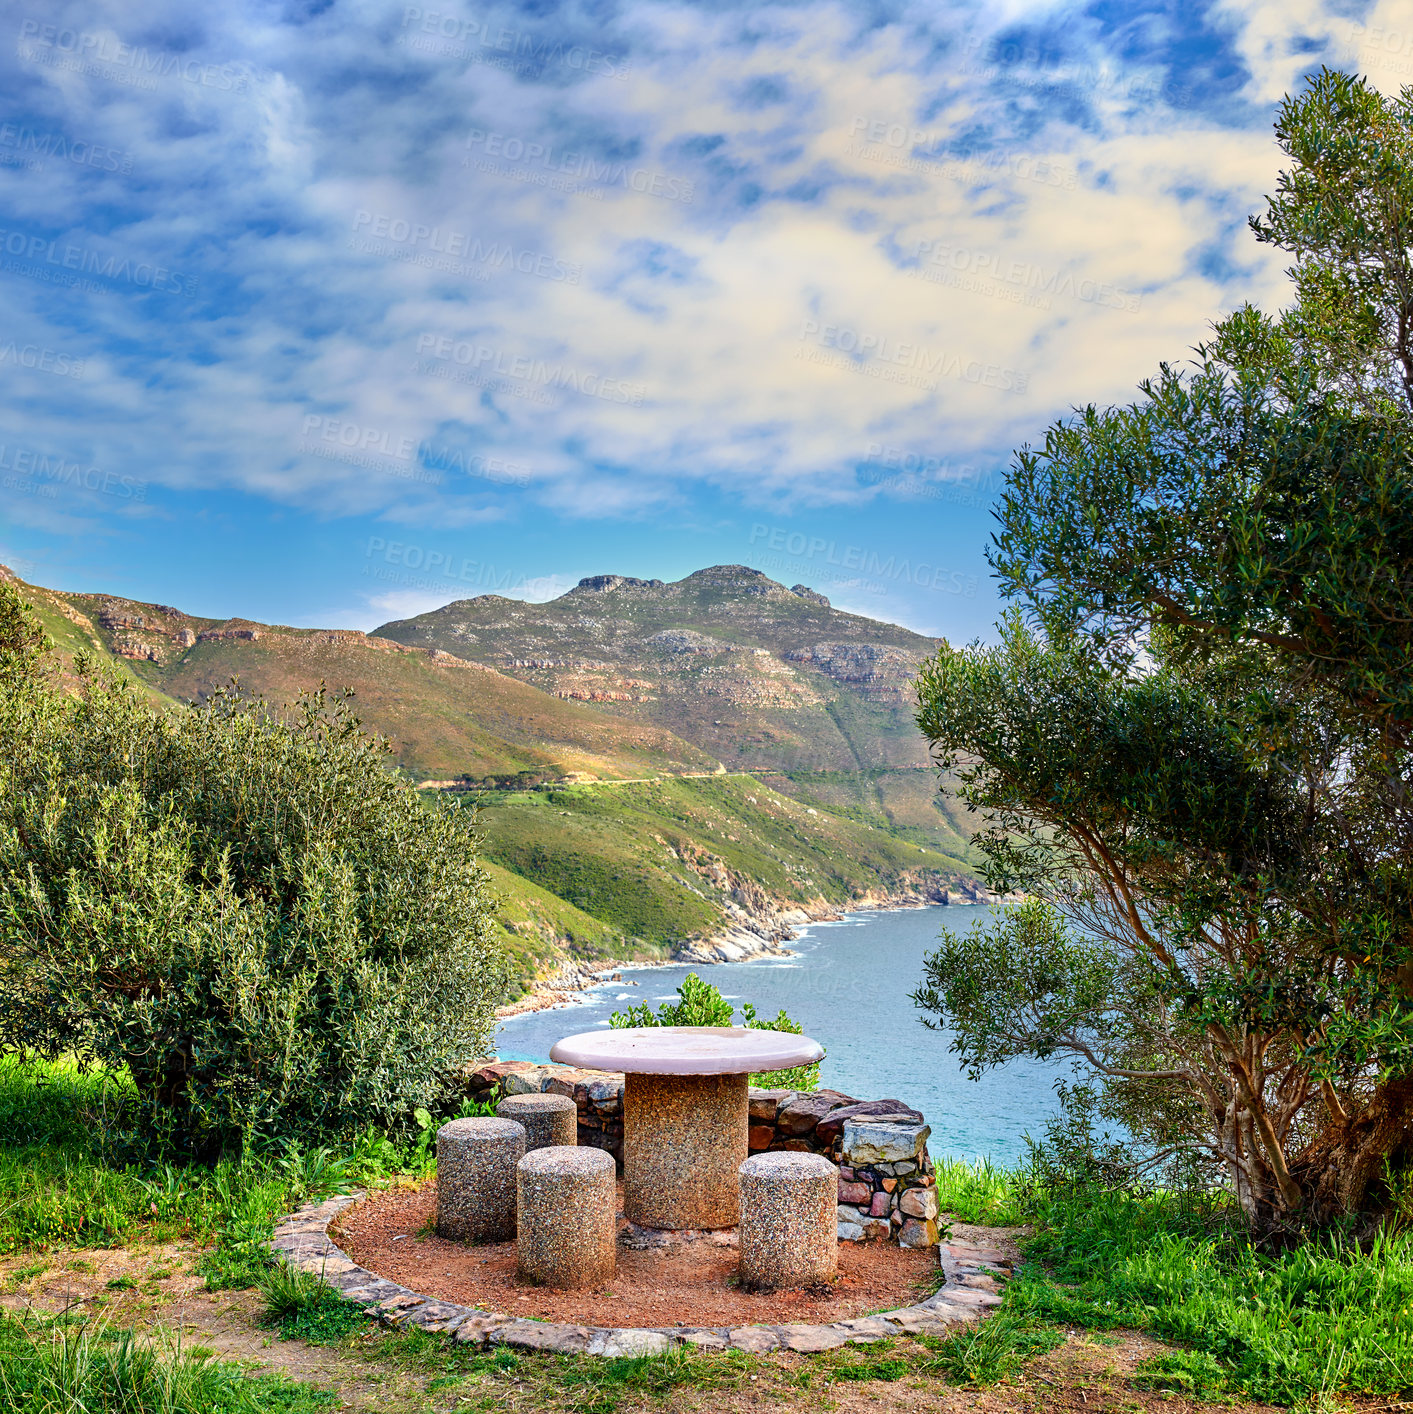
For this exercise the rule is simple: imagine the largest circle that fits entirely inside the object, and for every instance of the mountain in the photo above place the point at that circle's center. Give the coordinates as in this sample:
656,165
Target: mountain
445,716
728,756
766,679
761,676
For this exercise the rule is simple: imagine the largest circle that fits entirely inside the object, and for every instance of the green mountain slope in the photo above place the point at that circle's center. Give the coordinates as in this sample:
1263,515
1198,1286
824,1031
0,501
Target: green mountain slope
670,862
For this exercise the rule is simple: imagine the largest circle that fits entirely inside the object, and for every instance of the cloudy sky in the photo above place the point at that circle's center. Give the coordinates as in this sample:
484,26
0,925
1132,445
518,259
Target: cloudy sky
331,313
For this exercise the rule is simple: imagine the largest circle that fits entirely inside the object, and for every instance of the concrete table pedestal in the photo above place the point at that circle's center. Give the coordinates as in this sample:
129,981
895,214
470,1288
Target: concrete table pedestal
686,1113
684,1137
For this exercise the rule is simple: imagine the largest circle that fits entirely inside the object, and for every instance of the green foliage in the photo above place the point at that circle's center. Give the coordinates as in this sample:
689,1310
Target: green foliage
60,1188
304,1308
1193,1373
272,934
700,1004
1193,743
988,1351
1344,210
62,1367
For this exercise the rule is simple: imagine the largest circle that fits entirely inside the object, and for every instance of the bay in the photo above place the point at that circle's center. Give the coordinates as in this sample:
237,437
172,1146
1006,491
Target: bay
849,986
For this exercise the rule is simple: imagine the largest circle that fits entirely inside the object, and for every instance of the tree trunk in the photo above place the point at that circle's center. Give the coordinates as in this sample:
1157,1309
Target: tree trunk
1338,1170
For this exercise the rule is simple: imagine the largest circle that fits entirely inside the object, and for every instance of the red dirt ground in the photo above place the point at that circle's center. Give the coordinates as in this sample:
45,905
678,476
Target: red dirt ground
691,1285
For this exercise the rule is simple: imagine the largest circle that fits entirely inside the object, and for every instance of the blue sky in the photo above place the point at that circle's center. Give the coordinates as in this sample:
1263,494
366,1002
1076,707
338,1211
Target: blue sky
331,313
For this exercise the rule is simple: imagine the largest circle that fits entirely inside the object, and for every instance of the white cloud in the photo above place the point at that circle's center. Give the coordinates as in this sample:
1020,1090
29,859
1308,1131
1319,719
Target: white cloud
618,345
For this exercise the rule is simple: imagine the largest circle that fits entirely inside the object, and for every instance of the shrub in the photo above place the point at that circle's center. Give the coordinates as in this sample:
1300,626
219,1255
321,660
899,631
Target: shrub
265,926
700,1004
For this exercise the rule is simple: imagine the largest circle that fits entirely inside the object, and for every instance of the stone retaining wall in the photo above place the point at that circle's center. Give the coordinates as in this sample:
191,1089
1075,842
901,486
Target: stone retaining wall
886,1185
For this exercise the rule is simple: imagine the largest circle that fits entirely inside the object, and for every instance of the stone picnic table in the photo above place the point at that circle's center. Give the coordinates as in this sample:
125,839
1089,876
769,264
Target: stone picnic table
685,1112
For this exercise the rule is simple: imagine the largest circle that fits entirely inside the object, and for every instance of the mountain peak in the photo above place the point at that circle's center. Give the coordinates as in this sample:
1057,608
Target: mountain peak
601,583
731,574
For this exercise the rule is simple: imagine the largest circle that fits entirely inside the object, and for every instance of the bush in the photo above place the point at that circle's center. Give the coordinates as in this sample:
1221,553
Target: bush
273,933
700,1004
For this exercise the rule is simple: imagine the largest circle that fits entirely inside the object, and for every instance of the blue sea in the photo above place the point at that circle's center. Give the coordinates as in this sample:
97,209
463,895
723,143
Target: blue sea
849,987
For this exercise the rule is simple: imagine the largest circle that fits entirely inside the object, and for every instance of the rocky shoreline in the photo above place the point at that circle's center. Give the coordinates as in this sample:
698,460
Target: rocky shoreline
763,933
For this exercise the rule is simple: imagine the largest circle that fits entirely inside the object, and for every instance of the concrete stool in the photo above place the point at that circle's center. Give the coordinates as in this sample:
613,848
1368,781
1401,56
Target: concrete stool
568,1217
548,1119
789,1222
476,1161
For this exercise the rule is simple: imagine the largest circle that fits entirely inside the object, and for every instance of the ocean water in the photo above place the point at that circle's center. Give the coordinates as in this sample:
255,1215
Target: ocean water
849,987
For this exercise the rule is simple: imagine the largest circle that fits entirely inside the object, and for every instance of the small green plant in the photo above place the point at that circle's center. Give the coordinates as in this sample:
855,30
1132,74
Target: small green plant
700,1004
599,1386
984,1353
303,1308
888,1369
1194,1373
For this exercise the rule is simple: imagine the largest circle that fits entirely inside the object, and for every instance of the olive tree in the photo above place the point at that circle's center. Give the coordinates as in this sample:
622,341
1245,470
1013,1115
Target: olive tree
249,911
1193,738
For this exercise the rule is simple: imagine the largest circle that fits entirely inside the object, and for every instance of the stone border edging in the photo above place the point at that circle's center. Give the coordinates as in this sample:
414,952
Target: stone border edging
302,1241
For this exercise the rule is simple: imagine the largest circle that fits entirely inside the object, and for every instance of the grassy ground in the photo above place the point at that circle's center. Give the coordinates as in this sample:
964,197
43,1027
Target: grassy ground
146,1289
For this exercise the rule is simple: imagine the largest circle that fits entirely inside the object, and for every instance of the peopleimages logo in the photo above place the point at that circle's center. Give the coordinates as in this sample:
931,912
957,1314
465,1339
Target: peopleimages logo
861,560
65,48
965,268
458,245
361,445
24,461
30,146
440,565
61,365
866,352
593,170
486,362
449,36
144,274
916,149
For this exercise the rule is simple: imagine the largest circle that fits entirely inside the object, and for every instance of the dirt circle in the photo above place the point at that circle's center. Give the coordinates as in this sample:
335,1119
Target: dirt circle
391,1233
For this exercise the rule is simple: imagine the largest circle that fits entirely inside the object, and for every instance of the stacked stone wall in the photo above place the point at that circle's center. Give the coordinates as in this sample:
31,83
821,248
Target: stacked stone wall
887,1189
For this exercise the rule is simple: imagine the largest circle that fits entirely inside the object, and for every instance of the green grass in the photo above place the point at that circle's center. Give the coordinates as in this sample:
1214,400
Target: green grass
987,1352
58,1189
63,1367
982,1193
1322,1319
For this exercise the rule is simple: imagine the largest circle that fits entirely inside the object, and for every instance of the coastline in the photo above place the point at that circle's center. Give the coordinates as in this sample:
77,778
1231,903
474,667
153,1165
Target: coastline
747,936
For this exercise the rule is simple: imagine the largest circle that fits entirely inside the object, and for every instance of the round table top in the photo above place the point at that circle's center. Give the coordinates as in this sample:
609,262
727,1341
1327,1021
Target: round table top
686,1050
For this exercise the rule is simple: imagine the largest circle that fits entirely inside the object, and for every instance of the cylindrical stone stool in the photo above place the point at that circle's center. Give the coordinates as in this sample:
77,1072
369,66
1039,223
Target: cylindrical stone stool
789,1221
548,1119
476,1161
568,1217
684,1137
